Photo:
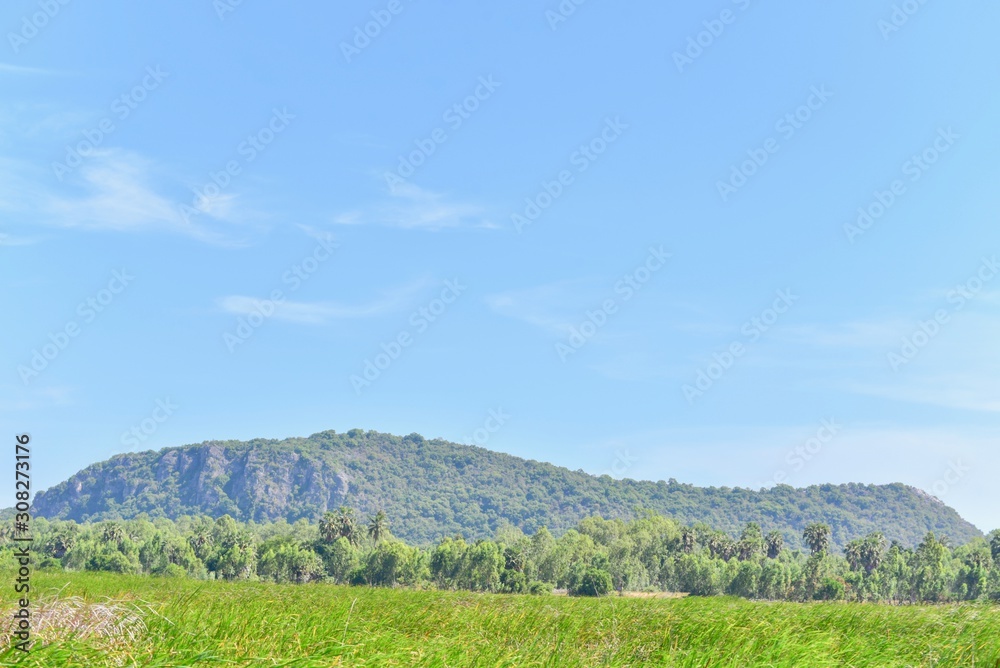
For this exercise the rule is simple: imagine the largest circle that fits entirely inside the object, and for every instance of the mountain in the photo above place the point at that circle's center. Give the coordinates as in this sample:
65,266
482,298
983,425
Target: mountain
433,488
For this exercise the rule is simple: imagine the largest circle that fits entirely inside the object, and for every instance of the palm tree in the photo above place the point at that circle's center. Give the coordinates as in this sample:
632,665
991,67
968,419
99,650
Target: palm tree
687,540
773,543
200,541
721,546
817,537
378,526
853,553
113,533
329,529
347,526
751,542
873,551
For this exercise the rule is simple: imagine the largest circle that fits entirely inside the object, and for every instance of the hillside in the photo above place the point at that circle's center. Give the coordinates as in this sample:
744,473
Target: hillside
433,488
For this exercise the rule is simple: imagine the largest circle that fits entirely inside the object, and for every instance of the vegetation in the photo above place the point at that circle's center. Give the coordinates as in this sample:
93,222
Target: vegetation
433,489
180,622
649,554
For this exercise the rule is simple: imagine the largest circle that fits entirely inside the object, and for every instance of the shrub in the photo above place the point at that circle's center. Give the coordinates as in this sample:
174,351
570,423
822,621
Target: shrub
592,582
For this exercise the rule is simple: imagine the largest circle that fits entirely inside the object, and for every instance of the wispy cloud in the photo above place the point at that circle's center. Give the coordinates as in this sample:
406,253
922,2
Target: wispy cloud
112,190
968,392
10,240
7,68
35,398
411,207
548,307
851,334
316,313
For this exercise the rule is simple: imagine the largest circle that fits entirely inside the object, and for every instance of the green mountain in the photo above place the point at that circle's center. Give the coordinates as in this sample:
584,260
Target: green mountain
433,488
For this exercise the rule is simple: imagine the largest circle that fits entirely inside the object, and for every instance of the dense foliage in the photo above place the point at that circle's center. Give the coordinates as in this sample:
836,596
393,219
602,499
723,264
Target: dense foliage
433,489
650,553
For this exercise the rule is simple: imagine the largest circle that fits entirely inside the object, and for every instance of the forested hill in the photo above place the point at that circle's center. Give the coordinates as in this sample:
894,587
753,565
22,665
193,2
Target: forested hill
433,488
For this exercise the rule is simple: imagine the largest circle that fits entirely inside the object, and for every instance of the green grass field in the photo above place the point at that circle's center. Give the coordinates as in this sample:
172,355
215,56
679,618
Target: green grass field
140,621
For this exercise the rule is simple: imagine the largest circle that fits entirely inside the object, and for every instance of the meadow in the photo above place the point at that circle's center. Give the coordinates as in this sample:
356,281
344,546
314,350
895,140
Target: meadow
104,619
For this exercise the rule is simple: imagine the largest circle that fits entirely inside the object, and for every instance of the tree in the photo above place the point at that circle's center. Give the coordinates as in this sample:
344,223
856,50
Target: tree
688,539
328,528
817,537
751,543
113,533
873,549
721,546
929,572
590,581
341,524
378,526
852,552
774,543
347,526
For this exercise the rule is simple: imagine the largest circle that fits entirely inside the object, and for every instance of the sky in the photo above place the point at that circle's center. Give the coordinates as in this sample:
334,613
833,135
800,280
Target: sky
734,243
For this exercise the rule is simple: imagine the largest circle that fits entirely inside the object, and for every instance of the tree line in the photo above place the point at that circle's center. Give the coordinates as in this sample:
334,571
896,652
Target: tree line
651,553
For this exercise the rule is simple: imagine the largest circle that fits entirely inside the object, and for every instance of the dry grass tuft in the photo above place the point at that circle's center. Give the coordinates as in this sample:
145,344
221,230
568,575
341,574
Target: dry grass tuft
109,624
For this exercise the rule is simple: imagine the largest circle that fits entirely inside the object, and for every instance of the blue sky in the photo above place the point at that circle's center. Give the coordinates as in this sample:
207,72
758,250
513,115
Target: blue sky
731,244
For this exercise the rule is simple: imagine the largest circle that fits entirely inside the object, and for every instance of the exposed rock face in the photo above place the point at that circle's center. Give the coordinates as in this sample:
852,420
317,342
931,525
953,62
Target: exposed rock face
249,483
432,488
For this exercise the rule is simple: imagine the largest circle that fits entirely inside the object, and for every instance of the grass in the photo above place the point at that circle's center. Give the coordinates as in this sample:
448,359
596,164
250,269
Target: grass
187,623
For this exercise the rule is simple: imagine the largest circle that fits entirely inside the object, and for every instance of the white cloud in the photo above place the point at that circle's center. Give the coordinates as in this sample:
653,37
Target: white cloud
112,190
549,307
414,208
6,68
323,312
